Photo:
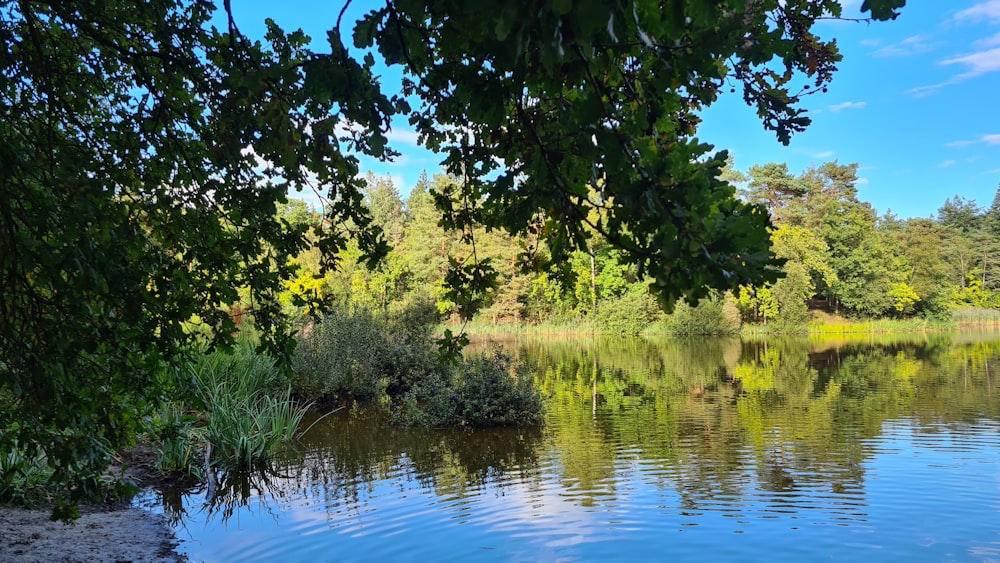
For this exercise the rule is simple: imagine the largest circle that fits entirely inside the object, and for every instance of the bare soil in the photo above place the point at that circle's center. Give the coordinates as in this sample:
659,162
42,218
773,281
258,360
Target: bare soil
127,534
104,532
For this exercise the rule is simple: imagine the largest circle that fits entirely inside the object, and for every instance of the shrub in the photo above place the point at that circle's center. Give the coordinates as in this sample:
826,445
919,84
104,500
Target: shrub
629,314
354,354
488,390
413,319
344,354
715,315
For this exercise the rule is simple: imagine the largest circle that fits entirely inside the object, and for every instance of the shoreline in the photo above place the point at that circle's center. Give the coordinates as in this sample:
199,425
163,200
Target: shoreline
102,533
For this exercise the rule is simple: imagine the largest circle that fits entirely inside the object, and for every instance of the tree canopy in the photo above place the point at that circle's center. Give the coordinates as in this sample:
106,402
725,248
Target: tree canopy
144,153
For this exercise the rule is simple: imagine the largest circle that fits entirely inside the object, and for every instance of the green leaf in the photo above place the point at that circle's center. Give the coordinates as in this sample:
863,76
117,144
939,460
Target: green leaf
367,28
883,9
562,7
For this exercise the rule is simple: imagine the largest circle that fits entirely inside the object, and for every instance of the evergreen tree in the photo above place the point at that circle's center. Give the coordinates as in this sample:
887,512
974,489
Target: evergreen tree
960,214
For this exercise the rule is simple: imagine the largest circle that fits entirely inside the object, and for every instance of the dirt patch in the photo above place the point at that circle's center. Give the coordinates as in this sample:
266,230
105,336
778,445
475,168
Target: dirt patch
104,532
126,534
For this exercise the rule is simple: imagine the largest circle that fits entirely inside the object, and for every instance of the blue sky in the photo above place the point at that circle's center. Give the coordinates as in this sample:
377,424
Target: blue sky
914,103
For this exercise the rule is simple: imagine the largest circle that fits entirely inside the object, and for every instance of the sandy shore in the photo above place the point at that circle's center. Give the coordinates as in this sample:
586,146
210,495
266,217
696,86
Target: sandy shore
127,534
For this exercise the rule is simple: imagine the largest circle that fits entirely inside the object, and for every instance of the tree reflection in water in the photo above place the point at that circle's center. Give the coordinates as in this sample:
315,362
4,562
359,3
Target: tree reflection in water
726,425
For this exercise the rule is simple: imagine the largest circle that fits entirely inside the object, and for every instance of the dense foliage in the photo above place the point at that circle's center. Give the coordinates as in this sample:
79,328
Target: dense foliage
143,152
842,257
133,202
839,256
354,353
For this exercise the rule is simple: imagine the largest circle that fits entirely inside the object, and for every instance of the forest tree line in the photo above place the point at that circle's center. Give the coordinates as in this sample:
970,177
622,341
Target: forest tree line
839,256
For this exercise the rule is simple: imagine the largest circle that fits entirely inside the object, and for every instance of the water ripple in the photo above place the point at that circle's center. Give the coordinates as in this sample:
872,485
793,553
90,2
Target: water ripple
656,469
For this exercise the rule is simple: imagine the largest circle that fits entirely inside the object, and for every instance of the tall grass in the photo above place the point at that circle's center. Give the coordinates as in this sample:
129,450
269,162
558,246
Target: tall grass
976,317
179,439
581,326
881,326
248,430
249,405
240,409
841,326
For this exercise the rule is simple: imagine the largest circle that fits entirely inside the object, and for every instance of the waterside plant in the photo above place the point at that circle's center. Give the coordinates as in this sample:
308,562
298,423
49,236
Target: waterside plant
391,358
237,413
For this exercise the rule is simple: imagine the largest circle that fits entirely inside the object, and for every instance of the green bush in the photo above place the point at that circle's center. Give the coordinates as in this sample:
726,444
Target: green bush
715,315
413,319
488,390
629,314
353,354
345,354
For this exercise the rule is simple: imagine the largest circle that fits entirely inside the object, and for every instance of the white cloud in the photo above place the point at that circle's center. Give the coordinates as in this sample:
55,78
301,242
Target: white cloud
978,63
947,163
862,182
984,59
981,62
404,136
989,139
912,45
990,10
922,91
847,105
987,42
824,154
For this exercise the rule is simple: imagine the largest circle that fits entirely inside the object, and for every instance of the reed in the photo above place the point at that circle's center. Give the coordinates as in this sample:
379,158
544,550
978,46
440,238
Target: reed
248,431
881,326
976,317
250,409
836,326
240,410
480,328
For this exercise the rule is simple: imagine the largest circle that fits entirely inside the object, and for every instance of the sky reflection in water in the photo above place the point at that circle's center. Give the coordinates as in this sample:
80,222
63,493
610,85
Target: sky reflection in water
721,449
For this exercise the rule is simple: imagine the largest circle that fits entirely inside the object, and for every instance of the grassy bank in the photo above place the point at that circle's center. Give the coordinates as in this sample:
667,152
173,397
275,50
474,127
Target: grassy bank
845,326
966,318
474,329
977,318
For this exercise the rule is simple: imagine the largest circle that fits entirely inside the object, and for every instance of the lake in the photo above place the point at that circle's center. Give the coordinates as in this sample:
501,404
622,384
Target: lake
868,448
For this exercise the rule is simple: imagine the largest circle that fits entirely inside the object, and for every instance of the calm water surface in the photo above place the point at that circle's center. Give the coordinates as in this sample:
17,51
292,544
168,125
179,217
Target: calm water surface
700,449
